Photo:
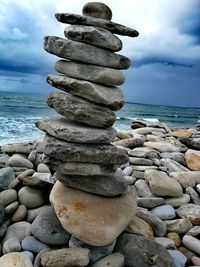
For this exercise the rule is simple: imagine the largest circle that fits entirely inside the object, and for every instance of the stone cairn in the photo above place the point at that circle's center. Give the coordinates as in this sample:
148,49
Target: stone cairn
90,195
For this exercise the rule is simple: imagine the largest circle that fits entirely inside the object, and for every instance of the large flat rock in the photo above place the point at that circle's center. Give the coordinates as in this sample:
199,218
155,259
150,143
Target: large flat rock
95,220
67,130
96,74
84,53
113,27
110,97
110,185
90,153
94,36
81,110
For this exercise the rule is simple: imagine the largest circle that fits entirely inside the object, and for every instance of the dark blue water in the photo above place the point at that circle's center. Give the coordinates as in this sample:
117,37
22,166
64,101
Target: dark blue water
19,112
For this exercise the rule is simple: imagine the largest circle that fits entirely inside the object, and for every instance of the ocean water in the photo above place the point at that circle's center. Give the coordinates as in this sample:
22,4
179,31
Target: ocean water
19,112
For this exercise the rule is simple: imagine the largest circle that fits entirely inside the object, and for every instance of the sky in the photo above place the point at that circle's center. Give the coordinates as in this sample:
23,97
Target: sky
165,58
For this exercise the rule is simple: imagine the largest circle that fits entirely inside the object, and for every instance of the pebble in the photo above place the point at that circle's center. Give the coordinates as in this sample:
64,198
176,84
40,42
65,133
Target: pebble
7,175
175,237
193,195
43,168
143,189
193,159
178,257
192,243
127,171
18,230
11,245
162,146
20,161
114,260
194,231
196,261
30,243
32,213
30,197
19,214
186,178
149,202
166,242
97,10
140,161
164,212
8,196
29,255
180,226
11,207
15,259
191,212
178,201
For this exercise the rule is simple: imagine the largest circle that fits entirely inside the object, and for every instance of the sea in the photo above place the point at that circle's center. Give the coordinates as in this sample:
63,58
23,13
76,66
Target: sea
20,111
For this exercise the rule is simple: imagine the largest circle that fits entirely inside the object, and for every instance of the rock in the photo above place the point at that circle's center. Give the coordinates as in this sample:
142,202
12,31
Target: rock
110,185
175,237
164,212
114,260
30,197
193,143
162,185
94,36
186,179
30,243
43,168
66,130
161,146
11,245
21,148
110,97
141,251
139,227
196,261
147,130
159,227
127,171
140,161
43,179
130,142
15,259
188,254
81,110
143,189
97,10
29,255
47,228
178,201
26,173
130,180
192,243
173,166
101,23
4,160
85,53
18,230
180,226
143,152
194,231
165,242
20,161
193,159
191,212
178,258
32,213
176,156
8,196
149,202
105,225
193,195
19,214
65,257
7,175
93,153
96,74
143,168
11,207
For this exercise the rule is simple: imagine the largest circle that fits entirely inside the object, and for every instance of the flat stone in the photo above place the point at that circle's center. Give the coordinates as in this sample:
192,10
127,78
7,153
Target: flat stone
108,96
194,197
193,159
143,152
180,226
20,161
162,185
113,27
140,161
149,202
21,148
16,259
182,133
192,243
131,142
95,36
8,196
159,227
81,110
26,173
31,197
173,166
92,73
191,212
178,258
30,243
47,228
143,168
166,242
7,175
85,53
19,214
193,143
139,227
176,156
11,245
110,185
113,260
97,10
39,181
66,130
164,212
178,201
127,171
74,207
141,251
148,130
186,179
161,146
18,230
92,153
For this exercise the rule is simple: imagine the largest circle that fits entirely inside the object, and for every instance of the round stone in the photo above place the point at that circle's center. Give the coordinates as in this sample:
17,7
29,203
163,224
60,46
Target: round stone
11,245
31,198
19,214
164,212
30,243
175,237
97,10
8,196
15,259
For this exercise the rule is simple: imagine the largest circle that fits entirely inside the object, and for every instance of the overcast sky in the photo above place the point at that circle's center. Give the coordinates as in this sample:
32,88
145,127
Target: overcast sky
165,57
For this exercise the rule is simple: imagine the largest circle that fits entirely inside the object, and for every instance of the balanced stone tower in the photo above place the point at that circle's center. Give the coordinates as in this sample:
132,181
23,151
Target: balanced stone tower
90,196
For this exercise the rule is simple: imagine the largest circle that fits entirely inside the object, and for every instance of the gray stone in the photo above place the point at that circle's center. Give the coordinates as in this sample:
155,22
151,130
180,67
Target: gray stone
108,96
141,251
92,73
110,185
47,228
162,146
2,213
97,10
143,152
143,189
81,110
30,243
193,195
19,214
130,142
192,243
173,166
92,153
18,230
66,130
193,143
30,197
44,178
148,130
32,213
11,245
191,212
149,202
166,242
8,196
26,173
43,168
28,255
140,161
23,147
94,36
3,228
130,180
85,53
127,171
180,226
176,156
113,260
4,160
159,227
143,168
20,161
102,23
178,258
186,179
194,231
11,207
7,175
164,212
178,201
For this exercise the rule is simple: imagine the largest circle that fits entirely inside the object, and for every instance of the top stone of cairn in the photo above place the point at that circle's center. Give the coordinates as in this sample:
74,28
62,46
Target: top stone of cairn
97,10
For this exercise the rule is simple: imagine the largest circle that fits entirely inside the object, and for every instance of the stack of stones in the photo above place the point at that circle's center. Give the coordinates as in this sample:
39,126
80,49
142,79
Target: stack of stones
90,196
